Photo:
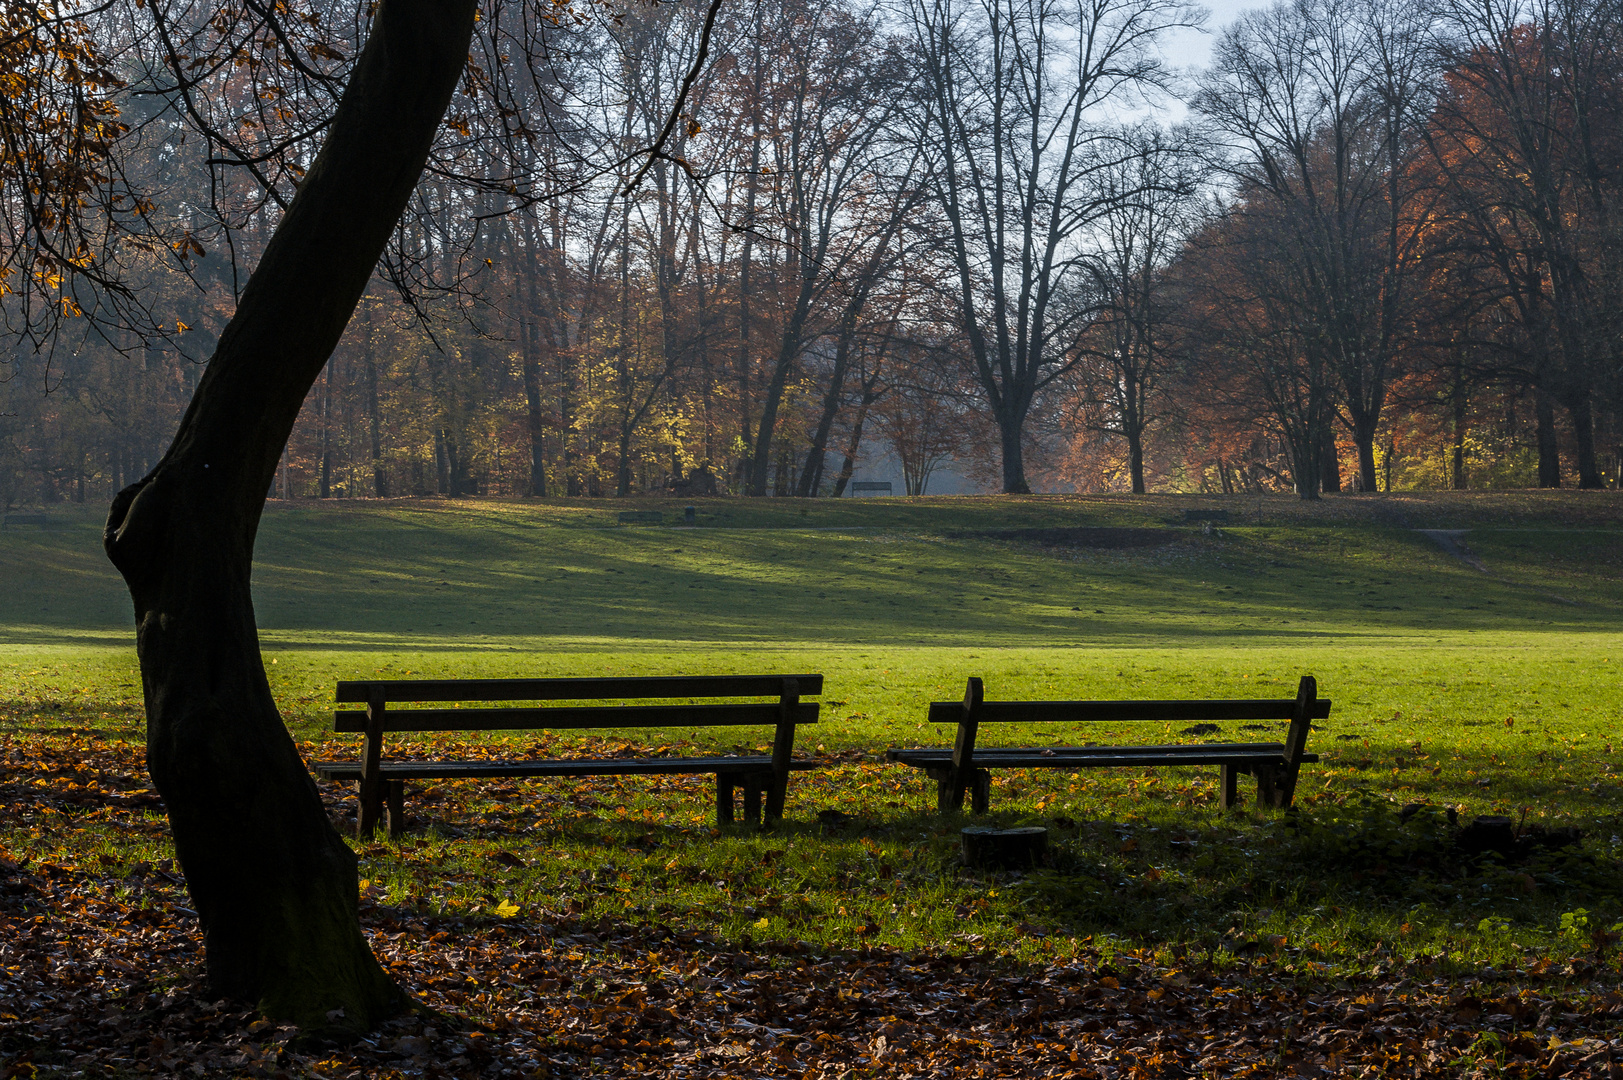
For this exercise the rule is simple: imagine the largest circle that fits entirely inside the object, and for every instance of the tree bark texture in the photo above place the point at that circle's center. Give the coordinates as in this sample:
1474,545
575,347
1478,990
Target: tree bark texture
374,417
535,421
1549,449
1583,437
788,352
1457,480
1329,464
273,883
1012,430
1306,443
1368,476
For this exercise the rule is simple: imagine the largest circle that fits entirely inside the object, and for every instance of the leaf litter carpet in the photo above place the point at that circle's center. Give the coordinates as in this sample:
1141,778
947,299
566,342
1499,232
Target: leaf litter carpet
100,975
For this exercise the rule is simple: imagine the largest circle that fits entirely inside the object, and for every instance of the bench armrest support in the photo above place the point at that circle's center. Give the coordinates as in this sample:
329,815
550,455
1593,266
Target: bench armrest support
783,747
1307,693
371,808
963,748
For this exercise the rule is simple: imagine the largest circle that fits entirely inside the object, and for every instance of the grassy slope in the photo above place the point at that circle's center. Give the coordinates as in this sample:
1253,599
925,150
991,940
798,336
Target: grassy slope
897,600
859,587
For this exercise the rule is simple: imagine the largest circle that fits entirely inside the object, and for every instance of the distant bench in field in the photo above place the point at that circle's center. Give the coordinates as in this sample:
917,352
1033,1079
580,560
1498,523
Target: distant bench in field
26,519
382,783
870,487
966,766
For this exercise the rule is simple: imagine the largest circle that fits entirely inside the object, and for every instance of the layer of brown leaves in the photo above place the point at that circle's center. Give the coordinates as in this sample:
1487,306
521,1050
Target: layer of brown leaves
100,975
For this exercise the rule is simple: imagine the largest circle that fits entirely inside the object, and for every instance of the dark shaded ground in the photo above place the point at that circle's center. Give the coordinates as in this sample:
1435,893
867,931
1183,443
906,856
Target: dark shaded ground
94,987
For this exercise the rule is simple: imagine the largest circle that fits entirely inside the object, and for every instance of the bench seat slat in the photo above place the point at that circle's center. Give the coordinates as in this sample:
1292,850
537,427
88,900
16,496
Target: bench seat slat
1033,712
990,752
591,689
453,770
1213,756
574,717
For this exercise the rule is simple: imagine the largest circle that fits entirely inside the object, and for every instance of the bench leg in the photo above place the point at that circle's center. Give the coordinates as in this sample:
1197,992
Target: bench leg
371,809
752,800
724,799
1230,785
980,790
396,811
776,794
1267,788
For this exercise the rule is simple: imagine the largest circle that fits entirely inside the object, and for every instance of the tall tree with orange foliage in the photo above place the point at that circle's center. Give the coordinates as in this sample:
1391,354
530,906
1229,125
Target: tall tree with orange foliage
1524,140
1318,101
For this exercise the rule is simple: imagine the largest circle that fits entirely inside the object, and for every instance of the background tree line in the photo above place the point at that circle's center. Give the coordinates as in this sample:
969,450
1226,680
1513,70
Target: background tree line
1380,251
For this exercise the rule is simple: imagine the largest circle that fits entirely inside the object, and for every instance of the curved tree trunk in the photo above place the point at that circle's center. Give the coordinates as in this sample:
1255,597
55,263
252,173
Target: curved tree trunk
788,352
274,885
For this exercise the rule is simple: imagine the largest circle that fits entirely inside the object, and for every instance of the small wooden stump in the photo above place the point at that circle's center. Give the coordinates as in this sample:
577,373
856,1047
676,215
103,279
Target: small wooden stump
1004,849
1489,832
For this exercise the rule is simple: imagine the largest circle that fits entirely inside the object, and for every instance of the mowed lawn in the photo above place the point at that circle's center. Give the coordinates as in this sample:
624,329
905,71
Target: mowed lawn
1489,686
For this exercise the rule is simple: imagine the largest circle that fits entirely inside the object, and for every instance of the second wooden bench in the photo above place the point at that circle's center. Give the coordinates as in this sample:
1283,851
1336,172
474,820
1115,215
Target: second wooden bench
382,782
965,767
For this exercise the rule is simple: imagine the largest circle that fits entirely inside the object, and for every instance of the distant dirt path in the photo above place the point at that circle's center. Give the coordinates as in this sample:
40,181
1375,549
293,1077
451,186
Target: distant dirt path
1449,541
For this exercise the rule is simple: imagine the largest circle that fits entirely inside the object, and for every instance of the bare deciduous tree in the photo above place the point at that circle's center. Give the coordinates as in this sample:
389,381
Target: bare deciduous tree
1016,97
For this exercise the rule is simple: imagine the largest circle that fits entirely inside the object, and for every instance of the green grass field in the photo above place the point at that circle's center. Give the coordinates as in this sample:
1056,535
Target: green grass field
1491,690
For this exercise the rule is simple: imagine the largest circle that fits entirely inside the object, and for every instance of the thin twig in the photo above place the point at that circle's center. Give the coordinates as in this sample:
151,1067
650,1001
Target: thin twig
655,152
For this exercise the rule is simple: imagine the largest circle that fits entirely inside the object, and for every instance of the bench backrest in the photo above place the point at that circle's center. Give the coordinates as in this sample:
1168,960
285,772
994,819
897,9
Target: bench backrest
784,714
379,694
1100,712
974,711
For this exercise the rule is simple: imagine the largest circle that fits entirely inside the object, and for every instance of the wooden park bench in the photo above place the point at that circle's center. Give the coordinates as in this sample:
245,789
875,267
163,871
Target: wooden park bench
967,766
870,487
382,782
39,520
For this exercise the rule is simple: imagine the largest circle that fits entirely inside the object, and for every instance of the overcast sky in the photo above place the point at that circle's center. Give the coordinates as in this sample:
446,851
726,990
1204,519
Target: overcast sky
1191,49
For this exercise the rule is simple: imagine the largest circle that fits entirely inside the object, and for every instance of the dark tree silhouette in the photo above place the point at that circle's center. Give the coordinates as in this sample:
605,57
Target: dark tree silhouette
275,886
